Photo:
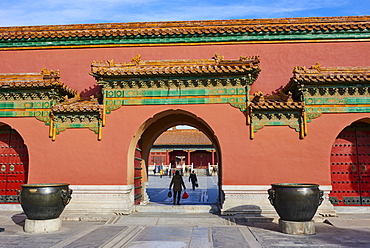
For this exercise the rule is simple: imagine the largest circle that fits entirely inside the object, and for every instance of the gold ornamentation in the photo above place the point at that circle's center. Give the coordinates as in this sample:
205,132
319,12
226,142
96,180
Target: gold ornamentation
136,60
218,58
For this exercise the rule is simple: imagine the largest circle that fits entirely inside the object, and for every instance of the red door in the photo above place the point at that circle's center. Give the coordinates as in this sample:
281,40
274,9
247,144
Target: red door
137,175
13,164
350,163
201,159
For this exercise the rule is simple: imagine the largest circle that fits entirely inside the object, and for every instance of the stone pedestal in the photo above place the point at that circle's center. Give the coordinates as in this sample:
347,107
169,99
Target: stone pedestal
42,226
297,228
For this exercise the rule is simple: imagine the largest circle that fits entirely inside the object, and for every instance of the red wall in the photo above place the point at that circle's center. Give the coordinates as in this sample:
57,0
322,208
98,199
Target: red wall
275,155
277,60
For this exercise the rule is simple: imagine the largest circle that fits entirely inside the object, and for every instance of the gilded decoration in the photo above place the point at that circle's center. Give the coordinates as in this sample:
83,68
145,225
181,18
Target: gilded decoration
187,33
143,82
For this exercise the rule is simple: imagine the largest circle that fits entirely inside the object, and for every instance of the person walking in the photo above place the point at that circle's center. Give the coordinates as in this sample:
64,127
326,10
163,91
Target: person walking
178,184
193,179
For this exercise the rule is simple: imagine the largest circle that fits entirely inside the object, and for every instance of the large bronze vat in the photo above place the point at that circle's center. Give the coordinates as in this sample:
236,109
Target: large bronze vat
44,201
295,201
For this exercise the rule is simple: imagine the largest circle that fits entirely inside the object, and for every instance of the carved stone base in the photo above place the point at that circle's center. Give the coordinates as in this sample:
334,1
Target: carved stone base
252,200
101,199
297,228
42,226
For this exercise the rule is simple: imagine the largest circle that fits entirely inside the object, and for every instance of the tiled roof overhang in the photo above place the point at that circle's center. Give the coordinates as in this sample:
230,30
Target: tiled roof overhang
48,80
187,27
76,105
175,68
186,32
316,76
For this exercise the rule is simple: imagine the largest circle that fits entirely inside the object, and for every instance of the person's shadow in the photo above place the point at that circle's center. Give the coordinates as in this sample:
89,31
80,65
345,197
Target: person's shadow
19,219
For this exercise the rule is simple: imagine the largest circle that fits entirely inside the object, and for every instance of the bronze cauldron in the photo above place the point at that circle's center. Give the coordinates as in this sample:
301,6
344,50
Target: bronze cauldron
44,201
295,201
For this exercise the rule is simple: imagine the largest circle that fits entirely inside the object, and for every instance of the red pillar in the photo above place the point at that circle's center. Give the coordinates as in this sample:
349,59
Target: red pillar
213,157
167,157
188,160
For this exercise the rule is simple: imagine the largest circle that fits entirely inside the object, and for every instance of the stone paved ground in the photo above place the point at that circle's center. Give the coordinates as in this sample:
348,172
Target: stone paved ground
174,229
182,230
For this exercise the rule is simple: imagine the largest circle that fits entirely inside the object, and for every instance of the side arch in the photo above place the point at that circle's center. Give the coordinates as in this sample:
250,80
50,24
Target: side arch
13,164
350,165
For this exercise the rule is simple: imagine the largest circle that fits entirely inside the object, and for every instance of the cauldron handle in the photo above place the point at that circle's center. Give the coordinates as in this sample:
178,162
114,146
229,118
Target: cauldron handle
19,196
271,196
66,196
321,198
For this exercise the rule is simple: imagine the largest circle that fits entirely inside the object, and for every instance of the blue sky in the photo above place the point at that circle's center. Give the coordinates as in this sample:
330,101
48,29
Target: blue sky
49,12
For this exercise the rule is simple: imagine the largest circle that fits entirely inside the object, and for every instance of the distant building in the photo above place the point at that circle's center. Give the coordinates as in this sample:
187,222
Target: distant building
183,147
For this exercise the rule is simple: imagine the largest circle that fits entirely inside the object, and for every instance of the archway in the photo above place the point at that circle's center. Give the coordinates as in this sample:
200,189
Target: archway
350,166
13,164
150,131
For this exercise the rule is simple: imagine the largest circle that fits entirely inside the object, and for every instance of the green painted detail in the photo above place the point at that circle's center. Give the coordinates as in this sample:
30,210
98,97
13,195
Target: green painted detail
139,159
10,113
339,109
138,168
195,38
261,119
137,177
348,100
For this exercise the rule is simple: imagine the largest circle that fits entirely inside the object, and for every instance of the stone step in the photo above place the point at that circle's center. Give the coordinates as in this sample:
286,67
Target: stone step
161,208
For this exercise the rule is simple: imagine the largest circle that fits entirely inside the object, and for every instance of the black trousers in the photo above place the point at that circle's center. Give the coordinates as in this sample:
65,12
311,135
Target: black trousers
178,194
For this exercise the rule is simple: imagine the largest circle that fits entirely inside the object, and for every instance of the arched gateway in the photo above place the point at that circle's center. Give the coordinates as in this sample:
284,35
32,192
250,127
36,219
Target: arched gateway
94,131
149,132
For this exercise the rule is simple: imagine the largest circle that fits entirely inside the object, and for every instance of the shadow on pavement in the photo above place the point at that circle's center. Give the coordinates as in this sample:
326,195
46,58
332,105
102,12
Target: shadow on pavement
19,219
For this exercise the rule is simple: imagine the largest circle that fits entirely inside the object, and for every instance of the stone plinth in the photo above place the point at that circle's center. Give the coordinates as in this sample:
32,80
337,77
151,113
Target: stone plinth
297,228
42,226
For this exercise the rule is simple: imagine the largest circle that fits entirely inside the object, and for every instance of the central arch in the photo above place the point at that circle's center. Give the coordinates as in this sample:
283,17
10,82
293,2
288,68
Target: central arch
145,137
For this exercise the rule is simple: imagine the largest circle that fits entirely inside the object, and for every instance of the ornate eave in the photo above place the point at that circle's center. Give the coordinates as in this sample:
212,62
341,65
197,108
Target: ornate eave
31,94
331,89
77,113
45,80
275,110
312,92
173,69
317,76
252,30
176,81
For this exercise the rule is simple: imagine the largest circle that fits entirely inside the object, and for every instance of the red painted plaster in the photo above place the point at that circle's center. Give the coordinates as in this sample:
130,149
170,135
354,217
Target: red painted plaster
275,155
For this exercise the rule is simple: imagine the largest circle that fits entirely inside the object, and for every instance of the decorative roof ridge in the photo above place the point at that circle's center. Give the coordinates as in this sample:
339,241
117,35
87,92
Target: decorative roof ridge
44,79
138,67
194,23
216,60
43,75
317,69
281,101
78,104
185,27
